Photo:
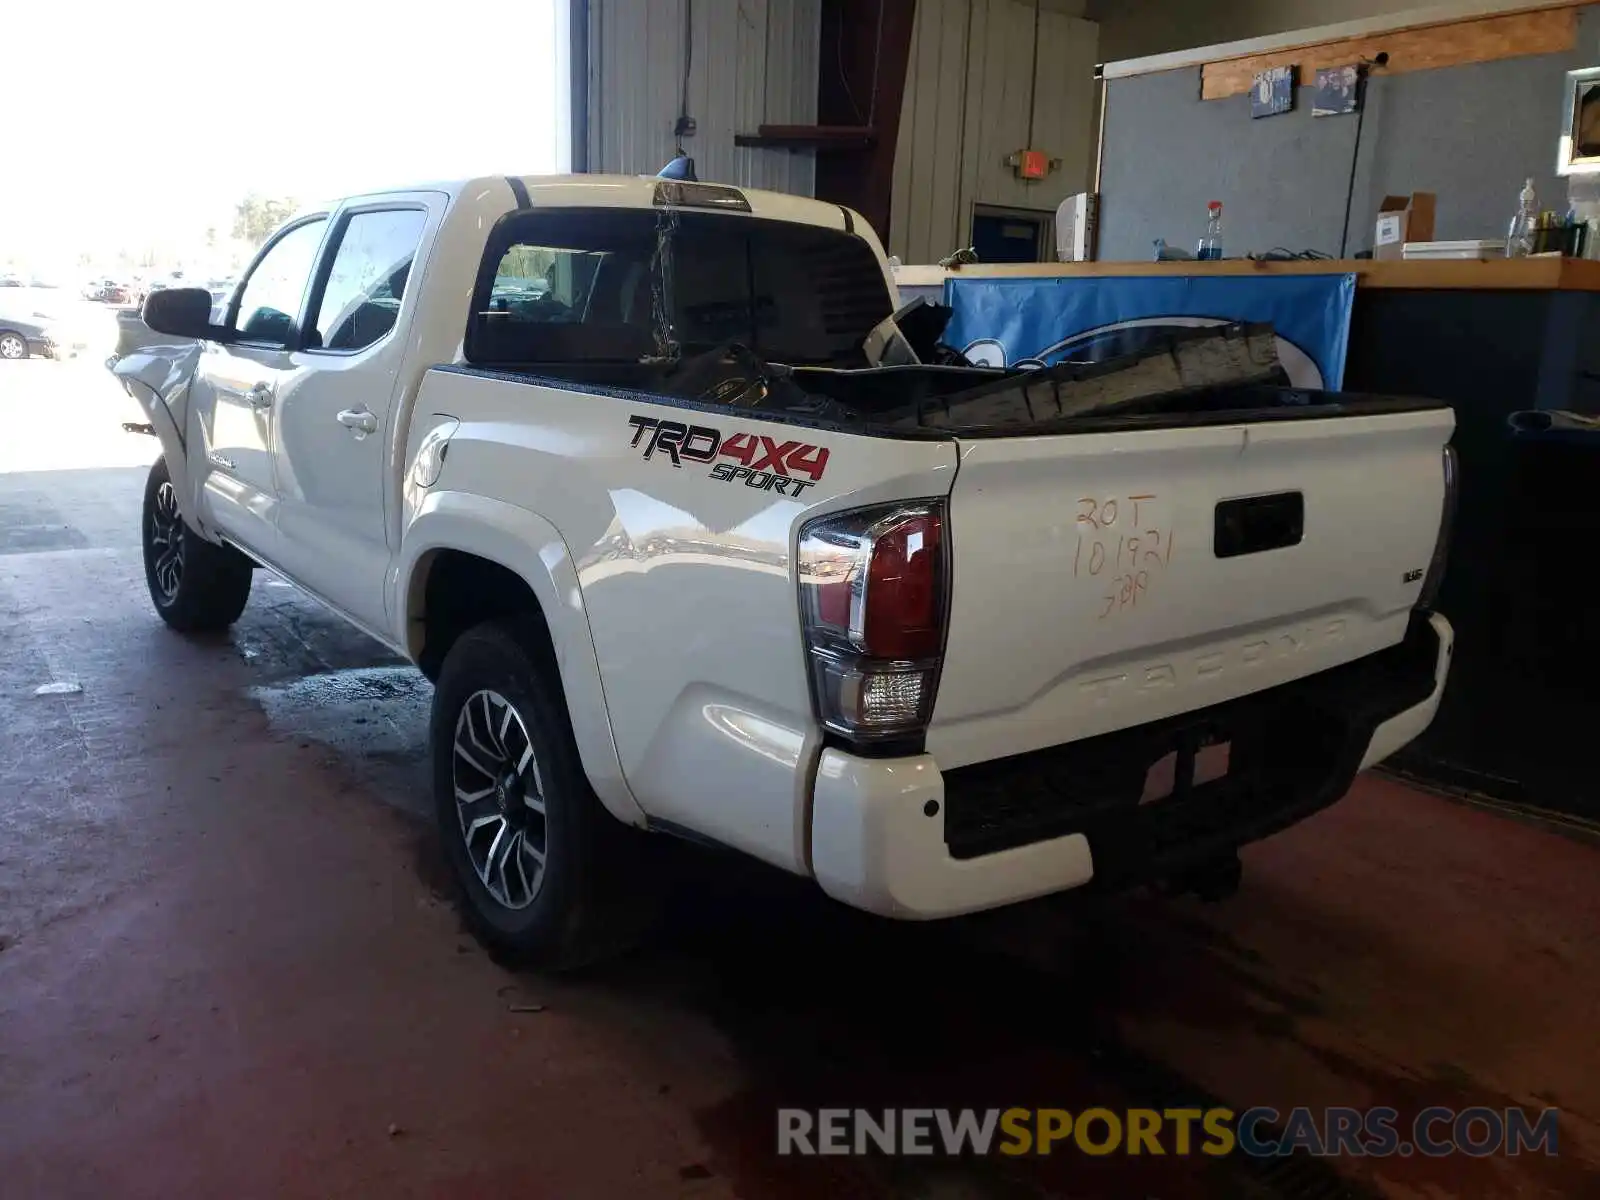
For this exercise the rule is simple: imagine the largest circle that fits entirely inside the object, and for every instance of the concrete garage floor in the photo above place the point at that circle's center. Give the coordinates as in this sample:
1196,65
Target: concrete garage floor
228,966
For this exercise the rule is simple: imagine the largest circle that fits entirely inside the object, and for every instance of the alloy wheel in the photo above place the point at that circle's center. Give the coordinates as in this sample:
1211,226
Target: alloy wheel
166,542
11,346
499,798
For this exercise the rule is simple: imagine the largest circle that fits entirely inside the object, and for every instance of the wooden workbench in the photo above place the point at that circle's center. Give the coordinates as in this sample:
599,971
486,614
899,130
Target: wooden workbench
1544,273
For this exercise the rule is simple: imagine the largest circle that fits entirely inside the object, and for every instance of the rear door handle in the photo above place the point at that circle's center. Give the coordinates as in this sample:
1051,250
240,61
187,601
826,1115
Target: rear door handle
259,396
360,420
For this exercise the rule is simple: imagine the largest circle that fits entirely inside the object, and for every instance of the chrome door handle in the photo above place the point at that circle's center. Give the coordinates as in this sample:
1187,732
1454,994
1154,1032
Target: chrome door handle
360,420
259,396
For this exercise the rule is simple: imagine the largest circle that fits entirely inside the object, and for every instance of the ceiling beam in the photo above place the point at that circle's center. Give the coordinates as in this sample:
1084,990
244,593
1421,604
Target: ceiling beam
861,77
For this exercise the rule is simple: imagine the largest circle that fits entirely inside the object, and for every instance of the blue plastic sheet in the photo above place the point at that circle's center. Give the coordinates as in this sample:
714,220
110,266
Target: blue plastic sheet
1041,320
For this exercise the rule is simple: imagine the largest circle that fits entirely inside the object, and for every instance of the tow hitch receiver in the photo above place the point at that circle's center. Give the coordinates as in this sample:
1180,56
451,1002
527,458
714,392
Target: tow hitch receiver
1211,879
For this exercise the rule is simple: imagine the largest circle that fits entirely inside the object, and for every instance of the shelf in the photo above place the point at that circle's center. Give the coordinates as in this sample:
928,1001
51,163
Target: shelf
822,138
1501,274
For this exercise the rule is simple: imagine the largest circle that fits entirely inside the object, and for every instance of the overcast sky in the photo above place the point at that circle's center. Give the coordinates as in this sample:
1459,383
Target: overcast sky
132,121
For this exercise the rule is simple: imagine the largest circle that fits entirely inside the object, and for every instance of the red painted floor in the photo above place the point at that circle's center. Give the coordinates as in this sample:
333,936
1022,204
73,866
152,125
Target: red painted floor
227,967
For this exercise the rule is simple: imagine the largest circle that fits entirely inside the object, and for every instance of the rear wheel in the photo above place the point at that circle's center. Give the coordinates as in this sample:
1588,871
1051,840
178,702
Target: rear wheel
543,870
196,586
13,345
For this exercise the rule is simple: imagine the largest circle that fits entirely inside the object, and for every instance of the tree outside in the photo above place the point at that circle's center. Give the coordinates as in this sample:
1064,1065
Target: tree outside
527,262
256,216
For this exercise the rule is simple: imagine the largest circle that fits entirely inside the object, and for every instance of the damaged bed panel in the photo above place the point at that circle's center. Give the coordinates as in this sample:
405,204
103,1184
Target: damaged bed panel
1185,362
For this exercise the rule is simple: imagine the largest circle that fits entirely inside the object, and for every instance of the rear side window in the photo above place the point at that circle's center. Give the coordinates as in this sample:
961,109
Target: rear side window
367,278
574,287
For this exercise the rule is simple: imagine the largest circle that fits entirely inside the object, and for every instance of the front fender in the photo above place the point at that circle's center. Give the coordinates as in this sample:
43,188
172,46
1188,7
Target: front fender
158,379
532,547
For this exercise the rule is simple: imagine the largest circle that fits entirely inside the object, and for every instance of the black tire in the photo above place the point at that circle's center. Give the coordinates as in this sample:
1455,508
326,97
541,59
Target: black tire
13,345
196,586
590,898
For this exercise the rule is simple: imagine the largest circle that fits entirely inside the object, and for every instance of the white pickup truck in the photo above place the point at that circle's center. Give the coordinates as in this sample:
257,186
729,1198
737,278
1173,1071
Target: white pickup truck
614,461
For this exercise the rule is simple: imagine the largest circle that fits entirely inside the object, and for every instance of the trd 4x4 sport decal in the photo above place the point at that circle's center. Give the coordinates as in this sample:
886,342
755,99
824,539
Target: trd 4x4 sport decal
762,462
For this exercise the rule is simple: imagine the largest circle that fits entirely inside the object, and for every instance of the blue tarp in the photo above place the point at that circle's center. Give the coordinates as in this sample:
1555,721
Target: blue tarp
1042,319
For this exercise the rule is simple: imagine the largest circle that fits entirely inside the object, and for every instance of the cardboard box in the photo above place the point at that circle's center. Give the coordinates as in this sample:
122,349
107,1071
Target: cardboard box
1403,219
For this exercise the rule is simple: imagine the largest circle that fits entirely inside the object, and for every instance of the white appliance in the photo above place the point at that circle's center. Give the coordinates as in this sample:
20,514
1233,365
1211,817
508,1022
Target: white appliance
1076,217
1482,248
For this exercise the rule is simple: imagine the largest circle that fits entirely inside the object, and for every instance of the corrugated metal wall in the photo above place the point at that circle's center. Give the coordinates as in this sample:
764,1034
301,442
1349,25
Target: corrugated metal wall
752,62
966,108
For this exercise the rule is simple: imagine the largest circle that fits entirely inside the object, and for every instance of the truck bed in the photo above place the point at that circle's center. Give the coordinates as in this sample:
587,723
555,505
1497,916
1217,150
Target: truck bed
1218,375
1111,569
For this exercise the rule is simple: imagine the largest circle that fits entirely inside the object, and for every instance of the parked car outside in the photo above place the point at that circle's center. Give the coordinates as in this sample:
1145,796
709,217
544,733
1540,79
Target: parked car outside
44,321
24,337
173,279
221,292
109,291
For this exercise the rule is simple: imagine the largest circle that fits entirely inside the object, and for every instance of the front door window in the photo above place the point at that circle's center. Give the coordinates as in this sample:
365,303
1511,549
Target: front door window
269,301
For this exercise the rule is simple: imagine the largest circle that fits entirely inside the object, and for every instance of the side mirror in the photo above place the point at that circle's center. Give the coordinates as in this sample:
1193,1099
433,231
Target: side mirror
183,312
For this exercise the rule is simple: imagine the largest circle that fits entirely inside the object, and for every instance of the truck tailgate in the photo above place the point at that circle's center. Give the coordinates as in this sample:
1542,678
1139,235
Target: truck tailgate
1103,580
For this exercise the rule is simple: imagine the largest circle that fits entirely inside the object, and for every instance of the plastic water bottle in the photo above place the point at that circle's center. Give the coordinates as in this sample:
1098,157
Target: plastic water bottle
1210,247
1525,225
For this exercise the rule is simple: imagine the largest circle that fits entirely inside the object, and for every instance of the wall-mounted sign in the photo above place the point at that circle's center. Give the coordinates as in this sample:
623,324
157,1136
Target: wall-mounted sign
1338,91
1273,92
1032,164
1580,132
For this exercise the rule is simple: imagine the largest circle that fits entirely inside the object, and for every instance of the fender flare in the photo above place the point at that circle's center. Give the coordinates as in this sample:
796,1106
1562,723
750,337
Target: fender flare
530,546
172,448
158,382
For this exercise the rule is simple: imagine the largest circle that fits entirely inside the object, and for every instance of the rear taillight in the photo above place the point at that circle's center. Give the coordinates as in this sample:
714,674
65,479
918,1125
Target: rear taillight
1447,520
873,586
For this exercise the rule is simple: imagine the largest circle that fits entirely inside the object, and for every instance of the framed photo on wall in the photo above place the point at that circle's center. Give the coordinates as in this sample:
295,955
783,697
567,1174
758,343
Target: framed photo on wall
1338,91
1273,92
1580,136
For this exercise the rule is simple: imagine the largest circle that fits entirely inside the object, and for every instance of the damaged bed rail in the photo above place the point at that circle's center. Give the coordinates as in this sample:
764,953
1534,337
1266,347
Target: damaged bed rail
1184,364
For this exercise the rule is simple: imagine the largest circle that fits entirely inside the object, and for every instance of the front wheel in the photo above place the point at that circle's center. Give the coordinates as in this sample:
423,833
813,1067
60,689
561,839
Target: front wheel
197,587
13,345
542,868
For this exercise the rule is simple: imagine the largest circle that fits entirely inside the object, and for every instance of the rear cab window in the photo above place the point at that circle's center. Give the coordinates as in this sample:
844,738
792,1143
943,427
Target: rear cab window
794,294
573,287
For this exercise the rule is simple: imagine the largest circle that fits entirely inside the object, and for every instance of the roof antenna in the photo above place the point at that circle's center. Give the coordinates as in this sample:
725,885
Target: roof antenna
681,167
